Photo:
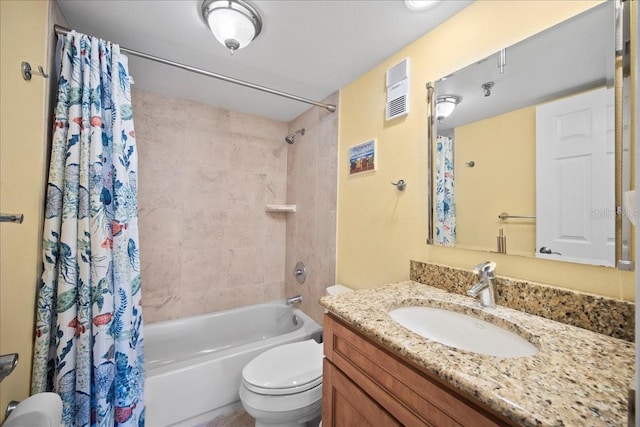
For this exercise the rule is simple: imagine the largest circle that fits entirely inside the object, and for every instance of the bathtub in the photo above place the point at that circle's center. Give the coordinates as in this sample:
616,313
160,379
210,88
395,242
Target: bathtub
194,365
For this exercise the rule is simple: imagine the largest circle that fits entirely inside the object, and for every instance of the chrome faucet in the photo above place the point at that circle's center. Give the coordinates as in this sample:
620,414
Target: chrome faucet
484,287
293,300
8,363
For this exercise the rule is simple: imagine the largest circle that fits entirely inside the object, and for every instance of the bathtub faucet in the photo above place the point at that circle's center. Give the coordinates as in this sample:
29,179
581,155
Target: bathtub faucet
294,300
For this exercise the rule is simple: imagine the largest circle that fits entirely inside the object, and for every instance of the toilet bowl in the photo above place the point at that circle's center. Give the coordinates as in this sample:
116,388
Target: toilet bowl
283,386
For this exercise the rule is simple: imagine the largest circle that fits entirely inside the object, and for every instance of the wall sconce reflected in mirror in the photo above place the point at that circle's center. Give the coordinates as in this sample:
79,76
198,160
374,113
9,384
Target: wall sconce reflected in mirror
445,105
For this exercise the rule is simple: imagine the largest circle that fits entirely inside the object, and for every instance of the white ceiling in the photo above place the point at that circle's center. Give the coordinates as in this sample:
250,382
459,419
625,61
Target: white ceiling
573,56
309,48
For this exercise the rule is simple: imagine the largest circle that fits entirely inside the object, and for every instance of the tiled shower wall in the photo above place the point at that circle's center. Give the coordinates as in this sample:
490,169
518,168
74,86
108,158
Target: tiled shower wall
205,175
312,182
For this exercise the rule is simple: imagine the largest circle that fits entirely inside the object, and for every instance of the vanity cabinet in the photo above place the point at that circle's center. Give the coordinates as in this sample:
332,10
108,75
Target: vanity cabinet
366,384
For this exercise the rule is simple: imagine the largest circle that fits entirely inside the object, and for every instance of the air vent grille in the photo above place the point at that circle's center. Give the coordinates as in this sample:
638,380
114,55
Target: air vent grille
398,90
397,107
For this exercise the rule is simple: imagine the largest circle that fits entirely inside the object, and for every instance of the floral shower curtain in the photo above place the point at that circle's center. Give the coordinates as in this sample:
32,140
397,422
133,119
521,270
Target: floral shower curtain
89,342
445,202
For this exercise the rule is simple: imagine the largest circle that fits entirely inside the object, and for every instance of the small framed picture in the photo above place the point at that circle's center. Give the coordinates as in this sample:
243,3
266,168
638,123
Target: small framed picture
362,157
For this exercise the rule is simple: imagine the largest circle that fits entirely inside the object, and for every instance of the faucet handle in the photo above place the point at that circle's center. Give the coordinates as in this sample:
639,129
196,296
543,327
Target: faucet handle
485,269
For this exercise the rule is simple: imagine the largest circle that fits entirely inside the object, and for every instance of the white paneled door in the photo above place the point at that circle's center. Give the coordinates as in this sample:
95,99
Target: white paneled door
575,211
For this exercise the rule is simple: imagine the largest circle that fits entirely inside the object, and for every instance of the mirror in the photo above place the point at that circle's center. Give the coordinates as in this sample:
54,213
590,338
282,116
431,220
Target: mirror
524,153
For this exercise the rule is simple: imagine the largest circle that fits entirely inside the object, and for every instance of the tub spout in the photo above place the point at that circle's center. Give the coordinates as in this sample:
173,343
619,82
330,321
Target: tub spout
294,300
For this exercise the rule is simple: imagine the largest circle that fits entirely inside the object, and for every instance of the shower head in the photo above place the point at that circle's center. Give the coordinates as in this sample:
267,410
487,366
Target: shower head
292,136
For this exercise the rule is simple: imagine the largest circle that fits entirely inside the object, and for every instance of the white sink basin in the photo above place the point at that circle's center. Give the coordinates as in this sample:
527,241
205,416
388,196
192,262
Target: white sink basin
462,331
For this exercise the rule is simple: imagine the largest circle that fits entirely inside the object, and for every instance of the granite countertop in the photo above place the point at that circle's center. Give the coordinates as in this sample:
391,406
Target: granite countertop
577,378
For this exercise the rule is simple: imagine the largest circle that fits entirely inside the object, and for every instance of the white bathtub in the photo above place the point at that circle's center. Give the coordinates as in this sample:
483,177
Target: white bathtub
194,365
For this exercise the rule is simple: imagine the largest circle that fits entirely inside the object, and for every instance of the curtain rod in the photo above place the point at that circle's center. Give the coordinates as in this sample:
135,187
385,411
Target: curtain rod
331,107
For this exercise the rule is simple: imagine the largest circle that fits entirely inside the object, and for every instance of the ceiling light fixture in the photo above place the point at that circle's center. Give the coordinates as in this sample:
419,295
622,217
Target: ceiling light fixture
445,105
235,23
419,5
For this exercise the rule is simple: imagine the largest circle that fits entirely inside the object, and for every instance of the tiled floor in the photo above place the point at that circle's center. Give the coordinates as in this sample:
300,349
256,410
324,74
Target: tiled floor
238,418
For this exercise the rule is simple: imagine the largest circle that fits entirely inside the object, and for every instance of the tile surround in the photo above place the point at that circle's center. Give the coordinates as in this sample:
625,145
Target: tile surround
596,313
207,242
205,176
312,182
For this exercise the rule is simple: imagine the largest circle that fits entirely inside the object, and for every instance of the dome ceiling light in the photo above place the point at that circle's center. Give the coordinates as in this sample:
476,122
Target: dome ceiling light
420,5
235,23
445,105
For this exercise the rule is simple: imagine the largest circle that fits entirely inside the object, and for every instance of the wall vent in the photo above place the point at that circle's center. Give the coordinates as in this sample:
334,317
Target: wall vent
398,90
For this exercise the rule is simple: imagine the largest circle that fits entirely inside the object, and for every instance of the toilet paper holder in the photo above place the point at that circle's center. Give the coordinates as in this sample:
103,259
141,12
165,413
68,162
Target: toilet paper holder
8,363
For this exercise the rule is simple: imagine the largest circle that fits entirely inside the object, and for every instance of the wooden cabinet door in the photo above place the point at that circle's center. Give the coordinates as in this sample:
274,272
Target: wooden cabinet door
406,395
346,405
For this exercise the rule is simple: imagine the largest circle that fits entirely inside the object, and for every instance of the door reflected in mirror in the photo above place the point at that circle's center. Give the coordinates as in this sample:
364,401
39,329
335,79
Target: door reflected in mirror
524,149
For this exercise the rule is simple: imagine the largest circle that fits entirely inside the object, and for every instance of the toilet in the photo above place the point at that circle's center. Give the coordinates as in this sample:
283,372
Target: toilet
283,386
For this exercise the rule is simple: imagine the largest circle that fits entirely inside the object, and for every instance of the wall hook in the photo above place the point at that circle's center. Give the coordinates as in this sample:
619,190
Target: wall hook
470,164
27,71
17,218
400,185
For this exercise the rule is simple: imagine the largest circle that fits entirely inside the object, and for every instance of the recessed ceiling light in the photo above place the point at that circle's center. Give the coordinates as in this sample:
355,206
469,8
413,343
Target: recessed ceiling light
419,5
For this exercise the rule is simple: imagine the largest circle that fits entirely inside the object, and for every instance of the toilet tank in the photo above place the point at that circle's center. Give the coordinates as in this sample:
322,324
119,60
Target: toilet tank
337,290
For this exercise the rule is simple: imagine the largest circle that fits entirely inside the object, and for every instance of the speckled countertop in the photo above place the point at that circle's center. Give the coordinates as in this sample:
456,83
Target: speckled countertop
578,377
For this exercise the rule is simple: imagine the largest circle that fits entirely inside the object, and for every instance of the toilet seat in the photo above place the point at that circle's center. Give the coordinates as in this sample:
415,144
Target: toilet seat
287,369
282,391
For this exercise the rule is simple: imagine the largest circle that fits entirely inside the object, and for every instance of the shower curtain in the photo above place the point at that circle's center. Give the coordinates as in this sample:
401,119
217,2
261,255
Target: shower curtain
445,202
89,342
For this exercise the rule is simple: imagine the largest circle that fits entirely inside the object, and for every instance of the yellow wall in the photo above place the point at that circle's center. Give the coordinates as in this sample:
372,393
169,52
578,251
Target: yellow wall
502,180
381,229
23,37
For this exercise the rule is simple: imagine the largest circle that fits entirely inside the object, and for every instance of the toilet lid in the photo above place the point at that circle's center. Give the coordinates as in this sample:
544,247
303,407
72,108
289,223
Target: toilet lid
286,369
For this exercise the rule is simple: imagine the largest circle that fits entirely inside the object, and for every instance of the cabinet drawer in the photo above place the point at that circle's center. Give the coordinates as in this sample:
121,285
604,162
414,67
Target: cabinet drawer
400,388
